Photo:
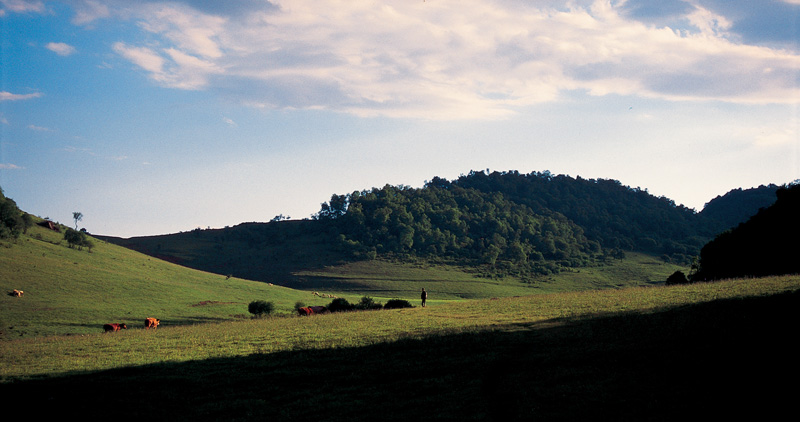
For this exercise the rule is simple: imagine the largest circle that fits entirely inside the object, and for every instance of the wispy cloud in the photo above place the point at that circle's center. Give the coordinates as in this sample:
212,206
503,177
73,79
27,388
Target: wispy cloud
60,48
471,59
7,96
9,166
39,128
23,6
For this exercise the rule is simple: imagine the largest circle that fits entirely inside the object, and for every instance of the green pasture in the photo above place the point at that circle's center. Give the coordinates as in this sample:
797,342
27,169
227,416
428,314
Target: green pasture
53,355
602,343
71,291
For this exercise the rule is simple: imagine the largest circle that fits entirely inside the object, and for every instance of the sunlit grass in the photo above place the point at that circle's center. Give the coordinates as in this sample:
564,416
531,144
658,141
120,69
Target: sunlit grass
34,357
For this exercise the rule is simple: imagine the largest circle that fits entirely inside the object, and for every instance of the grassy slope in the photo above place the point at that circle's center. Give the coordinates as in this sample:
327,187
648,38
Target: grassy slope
68,291
657,353
640,353
75,292
381,278
301,255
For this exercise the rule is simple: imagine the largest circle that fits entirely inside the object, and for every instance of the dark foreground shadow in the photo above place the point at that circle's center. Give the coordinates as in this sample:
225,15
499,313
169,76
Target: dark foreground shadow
733,358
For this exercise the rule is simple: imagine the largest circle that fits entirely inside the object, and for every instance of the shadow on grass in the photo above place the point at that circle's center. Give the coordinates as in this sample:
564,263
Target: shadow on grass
729,358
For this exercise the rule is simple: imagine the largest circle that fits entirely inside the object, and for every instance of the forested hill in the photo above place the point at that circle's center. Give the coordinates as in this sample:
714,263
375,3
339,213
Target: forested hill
530,218
499,223
766,244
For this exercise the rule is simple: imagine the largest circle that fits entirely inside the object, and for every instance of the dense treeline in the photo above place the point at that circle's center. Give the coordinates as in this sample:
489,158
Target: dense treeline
764,245
460,223
535,221
737,206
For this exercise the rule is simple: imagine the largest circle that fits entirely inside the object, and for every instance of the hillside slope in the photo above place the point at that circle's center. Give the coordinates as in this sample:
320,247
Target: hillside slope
71,291
499,225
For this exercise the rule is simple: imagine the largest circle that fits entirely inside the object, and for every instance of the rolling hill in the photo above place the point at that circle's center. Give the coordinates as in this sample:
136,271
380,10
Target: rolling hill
495,226
71,291
609,351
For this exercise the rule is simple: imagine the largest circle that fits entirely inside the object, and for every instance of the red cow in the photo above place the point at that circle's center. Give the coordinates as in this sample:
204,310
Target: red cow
114,327
151,323
311,310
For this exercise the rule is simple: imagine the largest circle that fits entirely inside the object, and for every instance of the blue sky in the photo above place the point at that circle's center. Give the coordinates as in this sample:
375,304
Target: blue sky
156,117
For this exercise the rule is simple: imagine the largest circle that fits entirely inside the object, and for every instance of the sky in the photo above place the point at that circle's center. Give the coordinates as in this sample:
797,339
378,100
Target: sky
156,117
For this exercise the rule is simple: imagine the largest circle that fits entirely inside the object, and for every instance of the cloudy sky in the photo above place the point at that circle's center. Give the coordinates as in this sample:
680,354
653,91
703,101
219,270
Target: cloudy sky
155,117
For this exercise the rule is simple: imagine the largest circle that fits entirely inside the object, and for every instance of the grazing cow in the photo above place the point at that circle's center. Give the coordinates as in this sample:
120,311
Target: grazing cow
151,322
319,309
311,310
114,327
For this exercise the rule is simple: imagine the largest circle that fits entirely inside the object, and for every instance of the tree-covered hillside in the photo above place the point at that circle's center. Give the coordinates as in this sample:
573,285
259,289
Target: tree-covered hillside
495,223
464,224
737,206
616,216
532,222
766,244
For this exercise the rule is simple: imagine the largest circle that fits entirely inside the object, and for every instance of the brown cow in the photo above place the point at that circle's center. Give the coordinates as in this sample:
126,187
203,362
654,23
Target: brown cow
311,310
319,309
114,327
16,293
151,322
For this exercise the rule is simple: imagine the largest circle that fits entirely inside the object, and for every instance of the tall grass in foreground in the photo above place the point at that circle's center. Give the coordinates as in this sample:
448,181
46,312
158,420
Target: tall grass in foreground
50,356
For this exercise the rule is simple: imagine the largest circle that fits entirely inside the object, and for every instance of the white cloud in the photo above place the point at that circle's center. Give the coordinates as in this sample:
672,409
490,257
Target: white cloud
23,6
473,59
9,166
7,96
143,57
61,48
39,128
88,11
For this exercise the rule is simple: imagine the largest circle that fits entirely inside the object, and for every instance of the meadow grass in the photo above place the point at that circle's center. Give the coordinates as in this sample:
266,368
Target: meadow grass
53,355
70,291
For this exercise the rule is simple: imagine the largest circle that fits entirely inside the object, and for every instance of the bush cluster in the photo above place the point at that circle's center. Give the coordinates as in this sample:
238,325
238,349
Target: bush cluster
260,308
366,304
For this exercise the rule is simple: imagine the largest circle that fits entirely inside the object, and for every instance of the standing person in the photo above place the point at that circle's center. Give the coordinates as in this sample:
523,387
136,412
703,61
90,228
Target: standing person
424,296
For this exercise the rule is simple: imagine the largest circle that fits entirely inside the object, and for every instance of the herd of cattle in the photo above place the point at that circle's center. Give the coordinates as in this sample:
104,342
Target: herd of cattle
148,323
153,322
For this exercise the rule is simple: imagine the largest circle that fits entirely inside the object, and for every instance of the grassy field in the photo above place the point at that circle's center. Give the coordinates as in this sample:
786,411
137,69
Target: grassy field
70,291
628,354
606,343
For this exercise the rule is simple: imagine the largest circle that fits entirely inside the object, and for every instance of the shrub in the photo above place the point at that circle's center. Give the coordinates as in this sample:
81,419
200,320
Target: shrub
260,307
299,304
397,304
367,304
77,239
677,278
340,304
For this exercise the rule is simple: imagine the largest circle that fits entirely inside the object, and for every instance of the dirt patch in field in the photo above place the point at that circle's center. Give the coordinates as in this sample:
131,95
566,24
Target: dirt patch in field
211,302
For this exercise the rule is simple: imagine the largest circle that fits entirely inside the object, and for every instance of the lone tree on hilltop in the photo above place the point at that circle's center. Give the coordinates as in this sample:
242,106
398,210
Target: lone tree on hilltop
77,216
